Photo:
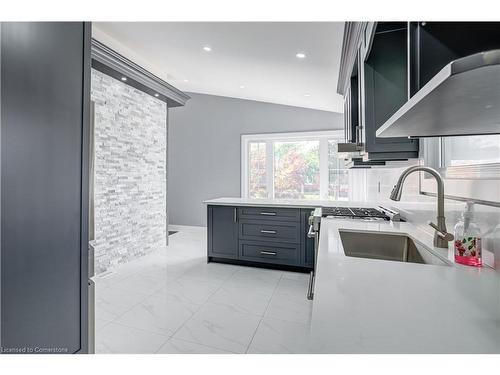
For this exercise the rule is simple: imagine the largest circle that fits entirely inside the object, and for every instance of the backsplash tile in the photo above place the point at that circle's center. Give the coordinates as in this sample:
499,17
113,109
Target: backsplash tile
487,217
130,172
420,209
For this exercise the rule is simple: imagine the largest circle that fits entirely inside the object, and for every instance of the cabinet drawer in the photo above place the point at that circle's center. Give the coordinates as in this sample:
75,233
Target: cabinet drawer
267,252
270,231
270,213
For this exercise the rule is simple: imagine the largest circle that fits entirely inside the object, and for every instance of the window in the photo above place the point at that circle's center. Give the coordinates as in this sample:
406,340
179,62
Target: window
469,164
338,175
257,169
464,157
294,166
472,150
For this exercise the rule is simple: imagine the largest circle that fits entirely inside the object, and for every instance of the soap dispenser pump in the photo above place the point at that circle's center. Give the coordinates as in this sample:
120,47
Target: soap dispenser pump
467,243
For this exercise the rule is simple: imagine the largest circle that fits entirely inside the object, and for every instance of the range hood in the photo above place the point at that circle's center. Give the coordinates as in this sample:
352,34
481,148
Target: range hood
462,99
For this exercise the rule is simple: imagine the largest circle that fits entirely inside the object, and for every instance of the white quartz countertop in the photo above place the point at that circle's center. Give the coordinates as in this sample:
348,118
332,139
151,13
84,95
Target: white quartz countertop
377,306
291,203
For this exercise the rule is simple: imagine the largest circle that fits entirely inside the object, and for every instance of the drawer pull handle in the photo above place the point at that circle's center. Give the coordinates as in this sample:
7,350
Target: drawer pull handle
268,253
268,213
268,231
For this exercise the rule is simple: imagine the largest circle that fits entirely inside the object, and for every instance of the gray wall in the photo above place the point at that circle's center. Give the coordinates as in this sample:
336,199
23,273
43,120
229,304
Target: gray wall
130,172
204,147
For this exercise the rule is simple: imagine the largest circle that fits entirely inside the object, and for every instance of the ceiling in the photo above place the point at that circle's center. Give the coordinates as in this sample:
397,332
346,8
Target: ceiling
249,60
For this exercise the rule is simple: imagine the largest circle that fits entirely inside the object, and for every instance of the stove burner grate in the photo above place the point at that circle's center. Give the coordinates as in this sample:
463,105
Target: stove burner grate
353,212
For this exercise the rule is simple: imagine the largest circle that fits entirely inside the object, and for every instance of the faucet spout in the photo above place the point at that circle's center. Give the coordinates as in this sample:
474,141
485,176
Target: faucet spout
441,236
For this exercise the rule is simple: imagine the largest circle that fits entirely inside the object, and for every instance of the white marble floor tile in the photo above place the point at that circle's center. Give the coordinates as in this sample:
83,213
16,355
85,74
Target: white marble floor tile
173,275
176,346
297,276
112,302
290,303
252,278
243,299
290,309
191,290
294,286
157,271
279,337
211,271
257,274
159,313
182,263
100,323
110,278
118,339
102,314
142,282
220,327
208,308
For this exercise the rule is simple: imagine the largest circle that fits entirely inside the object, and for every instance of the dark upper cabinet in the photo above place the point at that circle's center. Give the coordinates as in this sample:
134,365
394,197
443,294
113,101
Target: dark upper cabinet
45,84
375,87
352,106
385,83
223,232
398,60
435,44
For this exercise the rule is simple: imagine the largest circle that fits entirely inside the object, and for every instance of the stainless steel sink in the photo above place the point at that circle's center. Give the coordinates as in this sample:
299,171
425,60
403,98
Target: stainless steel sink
395,247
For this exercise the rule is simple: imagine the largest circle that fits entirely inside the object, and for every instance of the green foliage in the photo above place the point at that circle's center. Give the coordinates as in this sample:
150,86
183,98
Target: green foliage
296,163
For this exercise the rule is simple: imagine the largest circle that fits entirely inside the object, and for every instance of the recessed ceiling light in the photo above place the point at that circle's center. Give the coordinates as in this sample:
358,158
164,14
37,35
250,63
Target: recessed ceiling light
157,95
186,80
207,48
300,55
307,95
124,79
242,87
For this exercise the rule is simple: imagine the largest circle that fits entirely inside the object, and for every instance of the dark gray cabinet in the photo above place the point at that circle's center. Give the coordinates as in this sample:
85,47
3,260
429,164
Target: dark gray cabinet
352,107
260,235
435,44
390,62
269,231
272,253
222,232
45,85
376,87
385,72
269,213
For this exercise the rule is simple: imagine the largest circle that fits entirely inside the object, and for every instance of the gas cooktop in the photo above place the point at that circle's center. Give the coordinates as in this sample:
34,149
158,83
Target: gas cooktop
354,212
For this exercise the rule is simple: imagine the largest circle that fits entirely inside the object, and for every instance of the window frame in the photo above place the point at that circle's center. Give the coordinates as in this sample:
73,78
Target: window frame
463,183
269,139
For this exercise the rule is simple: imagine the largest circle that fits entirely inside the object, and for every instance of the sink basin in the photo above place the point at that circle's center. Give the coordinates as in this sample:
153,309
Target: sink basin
394,247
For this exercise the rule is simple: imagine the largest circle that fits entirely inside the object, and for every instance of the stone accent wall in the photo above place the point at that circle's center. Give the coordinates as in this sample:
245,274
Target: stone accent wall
130,172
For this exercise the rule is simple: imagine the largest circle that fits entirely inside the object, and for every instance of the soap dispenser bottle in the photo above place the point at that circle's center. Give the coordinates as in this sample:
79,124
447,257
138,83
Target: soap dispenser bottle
468,239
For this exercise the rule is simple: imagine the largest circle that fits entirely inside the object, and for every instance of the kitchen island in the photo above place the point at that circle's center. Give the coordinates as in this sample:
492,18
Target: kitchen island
260,233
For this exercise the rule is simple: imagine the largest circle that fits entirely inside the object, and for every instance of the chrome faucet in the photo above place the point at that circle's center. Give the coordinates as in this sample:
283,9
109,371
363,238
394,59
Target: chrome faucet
441,236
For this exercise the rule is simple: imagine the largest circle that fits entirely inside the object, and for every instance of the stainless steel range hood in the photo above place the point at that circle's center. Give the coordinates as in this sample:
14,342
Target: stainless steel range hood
462,99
